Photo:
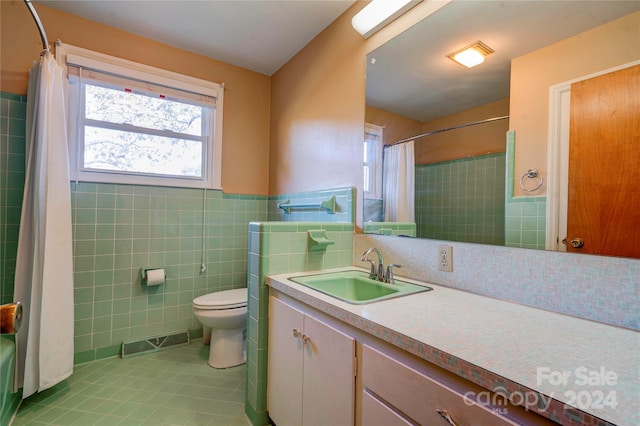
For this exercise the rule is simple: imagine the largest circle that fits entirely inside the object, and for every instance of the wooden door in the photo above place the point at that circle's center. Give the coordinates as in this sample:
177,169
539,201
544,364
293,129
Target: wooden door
329,375
284,385
604,164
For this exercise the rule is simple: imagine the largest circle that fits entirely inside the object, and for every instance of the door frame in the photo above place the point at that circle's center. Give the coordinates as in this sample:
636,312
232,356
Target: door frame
558,157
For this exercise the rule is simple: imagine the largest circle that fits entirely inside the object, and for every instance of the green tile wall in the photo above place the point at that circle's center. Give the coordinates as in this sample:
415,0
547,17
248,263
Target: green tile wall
274,248
526,217
120,229
12,169
462,200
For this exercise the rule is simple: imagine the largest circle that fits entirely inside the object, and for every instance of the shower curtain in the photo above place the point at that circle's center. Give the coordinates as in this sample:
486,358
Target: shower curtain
398,183
44,264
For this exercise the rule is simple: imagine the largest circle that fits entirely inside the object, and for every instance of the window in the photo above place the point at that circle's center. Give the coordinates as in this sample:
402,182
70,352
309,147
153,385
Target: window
130,123
372,164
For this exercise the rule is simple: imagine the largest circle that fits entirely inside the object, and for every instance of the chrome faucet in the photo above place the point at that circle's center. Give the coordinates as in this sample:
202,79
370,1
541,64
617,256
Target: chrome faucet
377,271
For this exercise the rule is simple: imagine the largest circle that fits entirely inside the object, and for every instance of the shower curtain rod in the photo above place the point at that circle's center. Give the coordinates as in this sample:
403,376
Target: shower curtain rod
43,35
446,129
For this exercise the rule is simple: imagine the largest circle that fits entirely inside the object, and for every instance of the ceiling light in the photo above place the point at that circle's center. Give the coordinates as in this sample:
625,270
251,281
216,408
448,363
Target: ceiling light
471,55
379,13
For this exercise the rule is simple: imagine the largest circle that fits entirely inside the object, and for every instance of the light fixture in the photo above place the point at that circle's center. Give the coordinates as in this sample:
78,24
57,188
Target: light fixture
471,55
379,13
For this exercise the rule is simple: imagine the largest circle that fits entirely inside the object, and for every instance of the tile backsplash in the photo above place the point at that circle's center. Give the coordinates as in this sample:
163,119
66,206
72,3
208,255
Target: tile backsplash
597,288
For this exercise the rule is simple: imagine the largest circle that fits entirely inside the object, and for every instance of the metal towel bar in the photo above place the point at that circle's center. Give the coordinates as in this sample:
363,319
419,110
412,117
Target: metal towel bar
328,205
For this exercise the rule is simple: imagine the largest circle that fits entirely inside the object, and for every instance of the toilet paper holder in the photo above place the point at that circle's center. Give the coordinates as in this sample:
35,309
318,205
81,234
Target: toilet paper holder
153,276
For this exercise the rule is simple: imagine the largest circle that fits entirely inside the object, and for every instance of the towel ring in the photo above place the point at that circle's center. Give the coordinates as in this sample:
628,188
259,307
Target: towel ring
531,174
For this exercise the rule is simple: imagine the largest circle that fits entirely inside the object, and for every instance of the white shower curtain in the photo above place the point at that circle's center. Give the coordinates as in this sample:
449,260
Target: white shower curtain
398,182
44,265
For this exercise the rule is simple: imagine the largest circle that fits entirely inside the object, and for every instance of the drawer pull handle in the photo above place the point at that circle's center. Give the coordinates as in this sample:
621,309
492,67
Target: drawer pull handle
445,415
305,339
296,333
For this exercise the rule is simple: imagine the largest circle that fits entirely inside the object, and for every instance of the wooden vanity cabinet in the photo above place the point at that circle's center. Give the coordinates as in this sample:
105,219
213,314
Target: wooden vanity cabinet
404,394
399,389
312,380
311,371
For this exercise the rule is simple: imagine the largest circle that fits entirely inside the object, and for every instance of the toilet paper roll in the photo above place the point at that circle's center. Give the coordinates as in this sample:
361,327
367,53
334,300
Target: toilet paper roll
155,277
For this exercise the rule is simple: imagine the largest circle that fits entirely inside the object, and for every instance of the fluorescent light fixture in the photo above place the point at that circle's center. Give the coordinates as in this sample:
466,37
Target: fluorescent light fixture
379,13
471,55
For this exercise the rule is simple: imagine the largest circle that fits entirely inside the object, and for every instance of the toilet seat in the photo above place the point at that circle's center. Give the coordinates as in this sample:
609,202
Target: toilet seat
227,299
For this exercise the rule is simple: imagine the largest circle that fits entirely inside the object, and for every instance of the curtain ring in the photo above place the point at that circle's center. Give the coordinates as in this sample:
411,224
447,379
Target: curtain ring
531,174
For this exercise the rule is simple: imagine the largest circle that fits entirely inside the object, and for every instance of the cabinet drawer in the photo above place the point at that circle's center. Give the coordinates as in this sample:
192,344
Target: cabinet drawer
375,413
419,396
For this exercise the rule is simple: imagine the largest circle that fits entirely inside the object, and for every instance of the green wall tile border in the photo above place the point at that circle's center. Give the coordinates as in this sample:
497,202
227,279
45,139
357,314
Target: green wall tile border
307,194
195,334
84,356
525,199
511,164
96,354
463,160
244,196
300,226
108,352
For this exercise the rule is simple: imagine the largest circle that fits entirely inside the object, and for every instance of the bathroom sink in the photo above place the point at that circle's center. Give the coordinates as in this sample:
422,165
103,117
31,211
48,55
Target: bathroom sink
356,287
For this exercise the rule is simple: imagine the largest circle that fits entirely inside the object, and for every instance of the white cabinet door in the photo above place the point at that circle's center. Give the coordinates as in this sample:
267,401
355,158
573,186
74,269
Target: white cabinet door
311,377
328,390
284,380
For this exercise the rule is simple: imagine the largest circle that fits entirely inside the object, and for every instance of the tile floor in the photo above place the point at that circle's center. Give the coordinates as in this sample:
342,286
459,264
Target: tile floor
171,387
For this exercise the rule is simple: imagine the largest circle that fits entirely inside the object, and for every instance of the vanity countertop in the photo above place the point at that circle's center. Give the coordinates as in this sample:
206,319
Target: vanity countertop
590,366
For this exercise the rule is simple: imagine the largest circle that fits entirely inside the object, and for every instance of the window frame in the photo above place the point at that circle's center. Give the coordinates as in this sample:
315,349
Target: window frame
68,55
375,164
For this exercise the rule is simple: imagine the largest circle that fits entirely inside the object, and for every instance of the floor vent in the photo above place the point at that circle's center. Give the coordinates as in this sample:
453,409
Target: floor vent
154,344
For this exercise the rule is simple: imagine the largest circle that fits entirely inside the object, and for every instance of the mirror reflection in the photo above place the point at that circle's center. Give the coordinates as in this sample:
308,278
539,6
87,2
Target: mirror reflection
417,94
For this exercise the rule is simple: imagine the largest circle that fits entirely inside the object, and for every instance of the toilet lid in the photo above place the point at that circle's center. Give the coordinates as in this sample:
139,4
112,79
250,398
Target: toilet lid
227,299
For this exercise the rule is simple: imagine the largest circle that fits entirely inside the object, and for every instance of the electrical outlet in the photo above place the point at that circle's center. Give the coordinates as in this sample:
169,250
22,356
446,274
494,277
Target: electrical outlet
445,258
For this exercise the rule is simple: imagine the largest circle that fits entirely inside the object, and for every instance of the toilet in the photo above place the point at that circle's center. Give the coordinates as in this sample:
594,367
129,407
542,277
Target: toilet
223,316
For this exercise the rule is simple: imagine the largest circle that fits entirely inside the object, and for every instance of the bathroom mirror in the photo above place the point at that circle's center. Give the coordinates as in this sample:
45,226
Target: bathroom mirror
412,88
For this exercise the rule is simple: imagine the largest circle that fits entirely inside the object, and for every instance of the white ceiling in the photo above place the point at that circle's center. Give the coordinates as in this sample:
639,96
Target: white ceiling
260,35
413,77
